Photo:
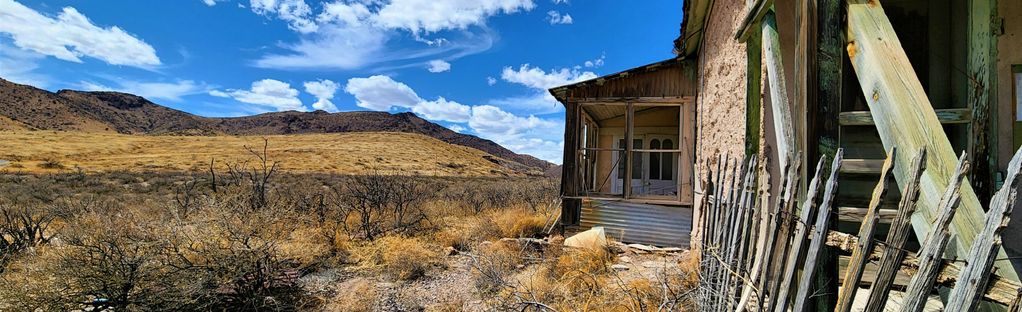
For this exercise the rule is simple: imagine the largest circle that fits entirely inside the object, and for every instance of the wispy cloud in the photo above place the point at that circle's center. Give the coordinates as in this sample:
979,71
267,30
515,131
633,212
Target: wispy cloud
351,35
70,36
170,91
556,18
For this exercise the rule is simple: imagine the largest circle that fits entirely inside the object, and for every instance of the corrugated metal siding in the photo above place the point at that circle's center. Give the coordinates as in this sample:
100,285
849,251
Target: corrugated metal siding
666,226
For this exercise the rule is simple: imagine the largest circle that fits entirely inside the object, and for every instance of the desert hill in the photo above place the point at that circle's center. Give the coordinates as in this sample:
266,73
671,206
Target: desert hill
24,107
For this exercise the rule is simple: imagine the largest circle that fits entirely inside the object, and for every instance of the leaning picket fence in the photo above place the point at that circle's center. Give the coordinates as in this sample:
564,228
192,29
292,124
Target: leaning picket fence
757,256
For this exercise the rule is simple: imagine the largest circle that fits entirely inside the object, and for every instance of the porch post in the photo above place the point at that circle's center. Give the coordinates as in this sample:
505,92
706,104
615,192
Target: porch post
629,133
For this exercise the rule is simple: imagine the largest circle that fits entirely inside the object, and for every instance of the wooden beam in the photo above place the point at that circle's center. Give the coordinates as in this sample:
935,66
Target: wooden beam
862,166
905,118
638,100
945,116
867,229
981,72
779,103
754,14
626,189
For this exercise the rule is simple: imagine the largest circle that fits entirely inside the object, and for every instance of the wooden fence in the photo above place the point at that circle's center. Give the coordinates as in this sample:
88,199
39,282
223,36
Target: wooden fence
760,256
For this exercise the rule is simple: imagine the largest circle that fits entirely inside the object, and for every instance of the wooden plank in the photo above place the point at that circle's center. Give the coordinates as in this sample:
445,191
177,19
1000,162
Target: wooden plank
754,14
799,238
728,246
890,261
905,118
746,206
763,271
973,279
862,166
763,222
819,234
947,116
1001,290
930,255
779,256
980,70
779,102
867,229
856,214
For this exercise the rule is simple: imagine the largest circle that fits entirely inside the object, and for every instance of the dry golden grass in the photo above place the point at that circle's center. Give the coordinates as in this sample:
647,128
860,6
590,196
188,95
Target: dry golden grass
345,153
405,258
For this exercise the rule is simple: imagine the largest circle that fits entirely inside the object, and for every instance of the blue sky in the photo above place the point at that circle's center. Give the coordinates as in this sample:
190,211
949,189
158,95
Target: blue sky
479,67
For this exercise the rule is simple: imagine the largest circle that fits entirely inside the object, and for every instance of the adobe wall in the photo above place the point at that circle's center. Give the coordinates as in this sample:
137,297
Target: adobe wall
1009,51
721,102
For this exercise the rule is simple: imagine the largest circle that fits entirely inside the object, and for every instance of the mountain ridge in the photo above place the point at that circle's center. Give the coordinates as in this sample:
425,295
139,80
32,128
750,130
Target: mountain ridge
31,108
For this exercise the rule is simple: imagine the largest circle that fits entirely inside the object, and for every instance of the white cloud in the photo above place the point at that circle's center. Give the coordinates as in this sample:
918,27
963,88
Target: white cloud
355,34
170,91
438,66
597,62
297,13
267,92
555,18
522,134
457,128
324,91
539,81
531,135
380,93
210,2
442,109
536,78
71,36
437,15
491,81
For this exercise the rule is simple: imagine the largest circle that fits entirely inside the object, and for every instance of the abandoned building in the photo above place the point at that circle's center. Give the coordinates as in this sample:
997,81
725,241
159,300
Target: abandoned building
786,79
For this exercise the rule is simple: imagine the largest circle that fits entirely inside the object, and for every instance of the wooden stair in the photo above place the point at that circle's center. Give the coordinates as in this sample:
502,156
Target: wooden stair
665,226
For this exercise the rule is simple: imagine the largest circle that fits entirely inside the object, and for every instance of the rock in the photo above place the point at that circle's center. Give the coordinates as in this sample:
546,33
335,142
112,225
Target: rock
594,238
450,251
618,248
625,259
619,267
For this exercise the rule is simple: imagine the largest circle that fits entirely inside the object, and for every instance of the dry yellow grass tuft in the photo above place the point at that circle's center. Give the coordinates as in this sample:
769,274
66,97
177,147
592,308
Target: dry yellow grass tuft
345,153
407,258
359,295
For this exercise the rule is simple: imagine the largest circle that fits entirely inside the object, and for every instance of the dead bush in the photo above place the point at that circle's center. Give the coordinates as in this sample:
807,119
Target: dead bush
494,266
22,228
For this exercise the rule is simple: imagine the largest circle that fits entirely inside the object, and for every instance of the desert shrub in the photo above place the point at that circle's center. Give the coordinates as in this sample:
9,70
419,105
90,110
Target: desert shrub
51,164
22,228
377,204
494,265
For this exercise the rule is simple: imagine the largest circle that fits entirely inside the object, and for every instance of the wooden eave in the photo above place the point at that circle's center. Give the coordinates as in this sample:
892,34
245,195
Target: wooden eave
561,93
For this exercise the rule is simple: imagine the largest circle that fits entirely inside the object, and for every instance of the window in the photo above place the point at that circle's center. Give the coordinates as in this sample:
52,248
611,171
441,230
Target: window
654,160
